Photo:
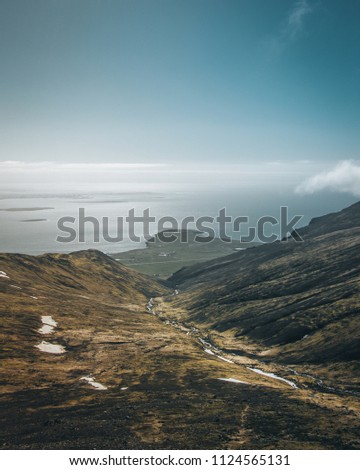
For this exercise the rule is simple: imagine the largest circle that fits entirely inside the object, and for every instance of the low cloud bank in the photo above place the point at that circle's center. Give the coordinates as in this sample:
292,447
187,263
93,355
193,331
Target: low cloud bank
343,178
140,177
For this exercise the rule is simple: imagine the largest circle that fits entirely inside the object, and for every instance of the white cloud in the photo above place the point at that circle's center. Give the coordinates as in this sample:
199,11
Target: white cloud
83,166
291,29
113,176
343,178
296,17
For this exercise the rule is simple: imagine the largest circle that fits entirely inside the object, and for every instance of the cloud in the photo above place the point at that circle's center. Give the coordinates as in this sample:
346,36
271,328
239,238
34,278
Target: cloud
112,176
83,166
292,28
343,178
296,18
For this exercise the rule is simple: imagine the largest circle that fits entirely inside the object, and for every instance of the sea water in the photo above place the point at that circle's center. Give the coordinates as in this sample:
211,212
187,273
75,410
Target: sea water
29,222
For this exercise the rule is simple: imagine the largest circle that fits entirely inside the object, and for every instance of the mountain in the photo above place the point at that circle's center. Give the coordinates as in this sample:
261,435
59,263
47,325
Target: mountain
97,355
296,302
347,218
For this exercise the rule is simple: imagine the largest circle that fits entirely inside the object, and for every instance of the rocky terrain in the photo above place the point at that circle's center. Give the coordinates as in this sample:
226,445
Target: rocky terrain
257,350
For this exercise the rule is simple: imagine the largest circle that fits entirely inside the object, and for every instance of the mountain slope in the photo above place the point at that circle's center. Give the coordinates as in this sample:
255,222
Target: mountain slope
347,218
87,361
296,302
81,292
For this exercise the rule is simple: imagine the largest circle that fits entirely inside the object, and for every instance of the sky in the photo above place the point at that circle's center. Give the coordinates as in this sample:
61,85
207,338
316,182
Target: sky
169,90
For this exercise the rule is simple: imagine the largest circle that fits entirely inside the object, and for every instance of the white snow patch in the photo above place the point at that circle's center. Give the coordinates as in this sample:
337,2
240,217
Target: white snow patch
234,381
15,287
48,325
33,297
273,376
124,388
48,320
46,329
94,384
50,348
3,274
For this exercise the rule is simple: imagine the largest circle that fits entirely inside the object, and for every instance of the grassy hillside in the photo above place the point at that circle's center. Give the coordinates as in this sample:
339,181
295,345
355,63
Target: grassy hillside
293,302
89,361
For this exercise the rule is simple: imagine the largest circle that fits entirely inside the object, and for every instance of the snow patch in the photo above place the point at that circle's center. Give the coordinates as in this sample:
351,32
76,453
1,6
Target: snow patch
15,287
48,320
46,329
44,346
3,274
94,384
48,325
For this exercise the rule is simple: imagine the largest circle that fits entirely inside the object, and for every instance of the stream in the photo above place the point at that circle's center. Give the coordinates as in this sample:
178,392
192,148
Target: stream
208,347
212,350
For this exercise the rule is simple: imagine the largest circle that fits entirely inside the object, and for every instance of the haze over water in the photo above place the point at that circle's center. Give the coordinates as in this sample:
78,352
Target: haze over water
30,226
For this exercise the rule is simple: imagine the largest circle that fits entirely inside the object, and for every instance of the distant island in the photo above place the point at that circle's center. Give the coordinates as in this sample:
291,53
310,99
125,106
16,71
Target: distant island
161,258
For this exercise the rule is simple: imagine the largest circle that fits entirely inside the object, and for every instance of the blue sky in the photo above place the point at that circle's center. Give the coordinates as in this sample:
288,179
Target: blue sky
180,82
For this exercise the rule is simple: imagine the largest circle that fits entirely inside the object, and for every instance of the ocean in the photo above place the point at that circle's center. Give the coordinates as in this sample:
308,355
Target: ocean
30,222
